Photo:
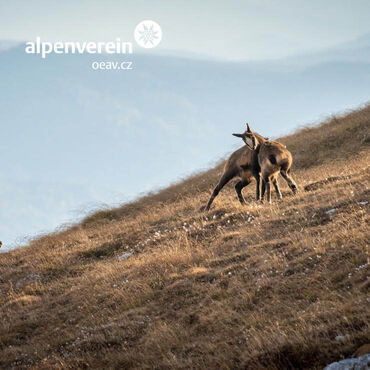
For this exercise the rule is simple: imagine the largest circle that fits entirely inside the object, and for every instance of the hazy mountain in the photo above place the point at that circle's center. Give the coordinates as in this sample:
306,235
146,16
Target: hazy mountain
74,137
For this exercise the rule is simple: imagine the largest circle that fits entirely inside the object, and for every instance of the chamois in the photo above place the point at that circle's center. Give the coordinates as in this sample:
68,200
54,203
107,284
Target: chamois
272,158
243,163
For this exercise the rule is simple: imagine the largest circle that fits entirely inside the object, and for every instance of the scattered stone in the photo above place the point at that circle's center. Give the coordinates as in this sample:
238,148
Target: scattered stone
330,211
363,203
360,363
124,256
28,279
341,338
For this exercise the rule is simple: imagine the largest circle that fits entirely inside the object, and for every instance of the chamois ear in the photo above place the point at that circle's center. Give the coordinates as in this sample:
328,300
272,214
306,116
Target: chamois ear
248,128
238,135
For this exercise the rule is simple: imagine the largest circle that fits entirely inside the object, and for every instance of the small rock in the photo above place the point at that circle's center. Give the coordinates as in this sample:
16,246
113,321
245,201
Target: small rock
330,211
28,279
363,203
360,363
124,256
341,338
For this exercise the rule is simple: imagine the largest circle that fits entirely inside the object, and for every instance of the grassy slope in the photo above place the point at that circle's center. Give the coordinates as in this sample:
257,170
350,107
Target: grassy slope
239,287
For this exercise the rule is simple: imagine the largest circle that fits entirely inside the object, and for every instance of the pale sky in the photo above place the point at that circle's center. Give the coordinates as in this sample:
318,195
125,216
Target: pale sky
236,29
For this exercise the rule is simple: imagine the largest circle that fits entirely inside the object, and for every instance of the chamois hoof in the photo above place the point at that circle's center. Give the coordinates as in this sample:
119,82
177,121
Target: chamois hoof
294,189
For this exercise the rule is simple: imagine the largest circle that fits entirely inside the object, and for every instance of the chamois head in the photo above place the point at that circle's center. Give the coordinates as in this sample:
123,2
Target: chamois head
249,138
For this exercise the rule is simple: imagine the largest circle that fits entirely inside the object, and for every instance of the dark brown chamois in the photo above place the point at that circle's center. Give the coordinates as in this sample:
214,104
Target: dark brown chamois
272,158
243,163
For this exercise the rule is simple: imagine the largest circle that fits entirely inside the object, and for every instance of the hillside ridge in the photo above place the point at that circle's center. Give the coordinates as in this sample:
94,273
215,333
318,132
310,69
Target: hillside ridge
158,284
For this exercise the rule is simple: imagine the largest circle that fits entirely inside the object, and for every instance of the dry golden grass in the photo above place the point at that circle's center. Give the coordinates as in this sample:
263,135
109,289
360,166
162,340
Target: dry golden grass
259,286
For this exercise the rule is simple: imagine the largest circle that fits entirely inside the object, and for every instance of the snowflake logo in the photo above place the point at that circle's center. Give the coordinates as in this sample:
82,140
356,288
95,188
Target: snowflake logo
148,34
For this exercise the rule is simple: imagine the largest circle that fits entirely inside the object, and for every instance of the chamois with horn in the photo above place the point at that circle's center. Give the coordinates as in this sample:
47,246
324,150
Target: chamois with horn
259,156
273,158
243,163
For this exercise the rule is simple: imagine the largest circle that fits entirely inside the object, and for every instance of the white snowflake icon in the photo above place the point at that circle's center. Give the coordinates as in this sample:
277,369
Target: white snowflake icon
148,34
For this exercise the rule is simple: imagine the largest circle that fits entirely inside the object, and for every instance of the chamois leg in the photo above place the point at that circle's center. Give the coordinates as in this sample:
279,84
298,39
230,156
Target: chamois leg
258,186
276,186
263,191
223,181
238,188
290,181
266,180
